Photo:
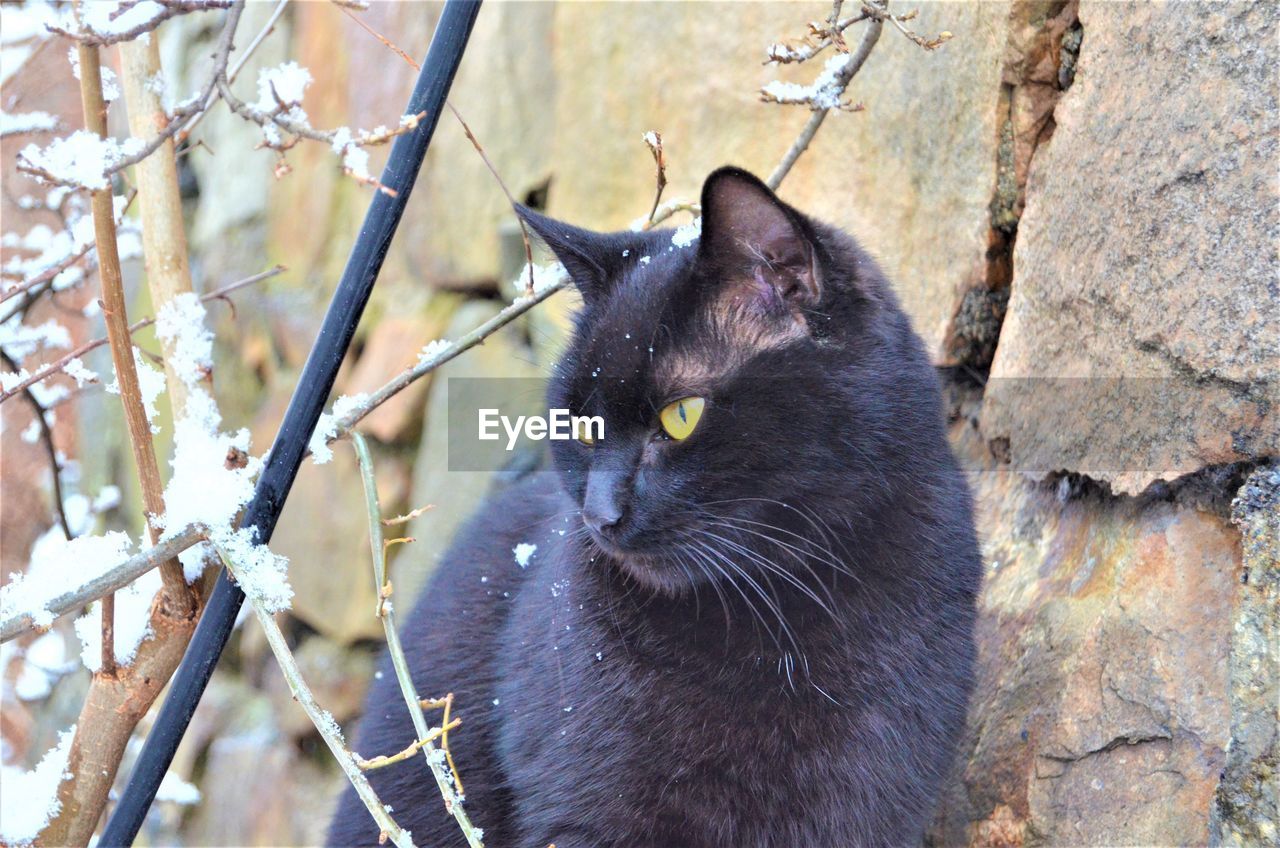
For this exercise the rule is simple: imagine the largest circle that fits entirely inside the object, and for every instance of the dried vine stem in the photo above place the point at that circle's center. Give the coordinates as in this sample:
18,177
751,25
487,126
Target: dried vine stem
322,720
450,787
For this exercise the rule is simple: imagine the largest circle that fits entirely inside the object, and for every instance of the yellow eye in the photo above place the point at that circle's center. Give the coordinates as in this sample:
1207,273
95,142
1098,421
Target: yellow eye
582,431
681,417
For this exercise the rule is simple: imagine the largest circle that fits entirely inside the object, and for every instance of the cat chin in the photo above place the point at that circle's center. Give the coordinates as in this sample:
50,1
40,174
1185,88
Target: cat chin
657,578
647,571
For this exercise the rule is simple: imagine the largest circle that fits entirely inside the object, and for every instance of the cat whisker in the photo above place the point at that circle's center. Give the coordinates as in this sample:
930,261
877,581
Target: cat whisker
823,555
715,584
773,567
711,556
769,600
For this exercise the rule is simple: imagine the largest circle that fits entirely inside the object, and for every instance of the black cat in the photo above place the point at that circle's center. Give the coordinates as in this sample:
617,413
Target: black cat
749,617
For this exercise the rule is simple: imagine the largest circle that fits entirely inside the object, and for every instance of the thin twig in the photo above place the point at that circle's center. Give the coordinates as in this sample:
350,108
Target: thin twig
385,41
186,116
477,336
524,232
449,790
407,517
654,141
46,437
783,54
880,12
48,275
279,117
220,60
444,742
665,211
58,365
322,720
384,761
266,30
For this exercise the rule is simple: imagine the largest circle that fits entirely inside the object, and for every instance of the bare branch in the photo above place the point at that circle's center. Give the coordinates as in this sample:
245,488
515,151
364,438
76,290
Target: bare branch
880,12
346,10
477,336
170,9
666,210
524,231
384,761
48,275
406,518
191,111
847,72
114,311
783,54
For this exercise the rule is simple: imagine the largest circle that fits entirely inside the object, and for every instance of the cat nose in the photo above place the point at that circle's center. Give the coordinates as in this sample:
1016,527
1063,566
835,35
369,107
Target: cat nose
601,522
601,507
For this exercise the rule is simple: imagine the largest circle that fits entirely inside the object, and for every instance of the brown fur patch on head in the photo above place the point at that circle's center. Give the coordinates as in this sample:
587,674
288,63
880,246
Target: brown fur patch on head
745,318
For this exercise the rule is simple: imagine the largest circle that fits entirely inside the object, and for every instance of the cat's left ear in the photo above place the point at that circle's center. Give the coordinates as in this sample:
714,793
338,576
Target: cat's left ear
592,259
751,237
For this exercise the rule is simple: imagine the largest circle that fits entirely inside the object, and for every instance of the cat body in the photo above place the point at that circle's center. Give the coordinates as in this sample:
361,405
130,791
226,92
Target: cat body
756,634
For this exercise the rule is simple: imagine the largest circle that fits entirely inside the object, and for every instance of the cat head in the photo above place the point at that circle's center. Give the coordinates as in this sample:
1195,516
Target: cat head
744,367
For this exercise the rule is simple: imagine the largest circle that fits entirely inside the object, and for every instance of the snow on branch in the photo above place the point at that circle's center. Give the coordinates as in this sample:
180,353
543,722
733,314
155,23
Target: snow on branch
279,113
101,23
25,123
824,34
245,573
32,601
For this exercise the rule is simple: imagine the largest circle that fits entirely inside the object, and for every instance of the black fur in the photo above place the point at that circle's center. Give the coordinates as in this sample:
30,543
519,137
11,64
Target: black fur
773,644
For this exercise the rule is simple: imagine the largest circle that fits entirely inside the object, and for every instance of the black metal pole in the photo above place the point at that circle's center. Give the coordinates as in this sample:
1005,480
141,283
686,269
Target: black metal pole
308,401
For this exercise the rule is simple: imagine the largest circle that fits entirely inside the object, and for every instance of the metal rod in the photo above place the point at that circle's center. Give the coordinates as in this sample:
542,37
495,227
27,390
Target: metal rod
314,384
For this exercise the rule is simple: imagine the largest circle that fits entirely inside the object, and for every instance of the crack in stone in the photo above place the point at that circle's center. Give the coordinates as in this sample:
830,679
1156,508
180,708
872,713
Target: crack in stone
1122,741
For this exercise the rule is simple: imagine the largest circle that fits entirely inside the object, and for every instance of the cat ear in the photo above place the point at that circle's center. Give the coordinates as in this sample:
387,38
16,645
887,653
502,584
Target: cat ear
752,238
590,258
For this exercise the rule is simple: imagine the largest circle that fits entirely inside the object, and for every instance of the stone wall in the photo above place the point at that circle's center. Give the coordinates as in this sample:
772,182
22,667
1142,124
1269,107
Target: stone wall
1077,203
